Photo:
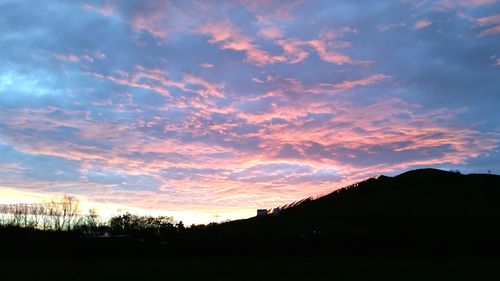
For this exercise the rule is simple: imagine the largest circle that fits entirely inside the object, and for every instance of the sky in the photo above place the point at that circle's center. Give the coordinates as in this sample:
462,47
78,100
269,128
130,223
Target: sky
209,110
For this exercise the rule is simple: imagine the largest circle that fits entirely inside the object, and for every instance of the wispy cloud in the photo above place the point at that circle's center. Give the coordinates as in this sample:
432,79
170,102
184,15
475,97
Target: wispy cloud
230,37
422,24
492,24
106,10
455,4
384,28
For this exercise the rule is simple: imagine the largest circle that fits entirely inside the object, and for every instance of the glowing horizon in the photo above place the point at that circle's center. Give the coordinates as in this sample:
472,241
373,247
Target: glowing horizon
209,110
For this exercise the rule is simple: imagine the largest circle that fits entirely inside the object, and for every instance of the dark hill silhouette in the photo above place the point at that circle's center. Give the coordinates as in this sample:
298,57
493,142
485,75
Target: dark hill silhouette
424,210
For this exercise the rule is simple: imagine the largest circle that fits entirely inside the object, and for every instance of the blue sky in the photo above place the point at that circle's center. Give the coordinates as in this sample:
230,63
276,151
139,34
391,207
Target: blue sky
223,107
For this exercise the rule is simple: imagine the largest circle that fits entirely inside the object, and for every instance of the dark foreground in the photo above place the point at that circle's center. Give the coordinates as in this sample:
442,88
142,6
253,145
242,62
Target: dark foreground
246,268
421,225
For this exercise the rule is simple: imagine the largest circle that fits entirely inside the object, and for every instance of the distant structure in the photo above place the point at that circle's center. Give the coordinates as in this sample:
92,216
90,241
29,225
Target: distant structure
261,212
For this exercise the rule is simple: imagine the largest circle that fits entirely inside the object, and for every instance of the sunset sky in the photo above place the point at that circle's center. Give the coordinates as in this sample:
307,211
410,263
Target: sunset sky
208,110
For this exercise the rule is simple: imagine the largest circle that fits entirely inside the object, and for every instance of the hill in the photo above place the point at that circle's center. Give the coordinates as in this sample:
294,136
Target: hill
425,210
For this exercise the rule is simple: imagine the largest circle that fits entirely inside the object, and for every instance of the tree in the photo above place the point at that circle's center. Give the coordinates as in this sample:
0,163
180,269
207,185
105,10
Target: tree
70,209
141,225
62,212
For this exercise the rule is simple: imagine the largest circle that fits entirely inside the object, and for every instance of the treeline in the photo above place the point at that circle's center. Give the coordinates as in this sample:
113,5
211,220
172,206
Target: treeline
63,214
58,213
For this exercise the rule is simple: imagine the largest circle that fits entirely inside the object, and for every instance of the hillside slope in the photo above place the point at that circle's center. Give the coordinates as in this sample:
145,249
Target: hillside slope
419,209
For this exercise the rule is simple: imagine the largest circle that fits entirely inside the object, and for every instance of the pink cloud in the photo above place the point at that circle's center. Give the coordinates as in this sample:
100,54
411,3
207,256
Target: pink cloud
157,80
324,46
491,22
422,24
328,55
271,32
210,89
105,10
150,22
70,57
350,84
490,31
374,125
444,5
207,65
228,36
158,20
293,51
77,58
384,28
125,79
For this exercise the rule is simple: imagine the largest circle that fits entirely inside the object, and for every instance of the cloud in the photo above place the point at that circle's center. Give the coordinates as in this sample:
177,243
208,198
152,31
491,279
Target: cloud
324,46
271,32
37,166
496,60
69,58
387,27
151,22
490,20
105,10
230,37
329,56
422,24
121,180
350,84
444,5
291,84
490,31
209,89
284,174
492,24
